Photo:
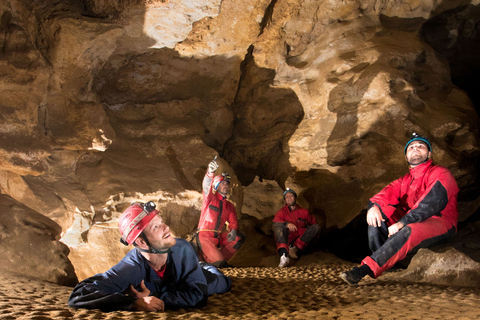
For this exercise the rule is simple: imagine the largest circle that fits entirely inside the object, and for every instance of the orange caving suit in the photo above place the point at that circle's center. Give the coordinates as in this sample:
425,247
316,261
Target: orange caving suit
216,211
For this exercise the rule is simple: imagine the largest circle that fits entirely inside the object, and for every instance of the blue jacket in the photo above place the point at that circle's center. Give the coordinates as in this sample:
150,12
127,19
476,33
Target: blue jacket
185,284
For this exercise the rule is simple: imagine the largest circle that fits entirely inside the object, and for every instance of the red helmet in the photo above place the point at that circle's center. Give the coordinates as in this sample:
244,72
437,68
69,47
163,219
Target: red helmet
218,179
134,220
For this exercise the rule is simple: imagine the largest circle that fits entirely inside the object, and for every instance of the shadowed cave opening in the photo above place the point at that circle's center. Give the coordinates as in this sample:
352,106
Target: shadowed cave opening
455,34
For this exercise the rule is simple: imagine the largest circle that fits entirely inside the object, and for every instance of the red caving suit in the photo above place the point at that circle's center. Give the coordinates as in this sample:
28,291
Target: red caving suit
425,202
216,211
302,219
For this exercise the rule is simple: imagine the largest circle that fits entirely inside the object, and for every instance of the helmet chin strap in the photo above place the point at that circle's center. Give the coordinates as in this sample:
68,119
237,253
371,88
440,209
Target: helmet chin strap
150,248
153,250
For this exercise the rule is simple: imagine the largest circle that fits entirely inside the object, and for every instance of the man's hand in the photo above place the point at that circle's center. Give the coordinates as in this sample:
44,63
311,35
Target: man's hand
232,235
144,302
374,217
149,304
394,228
140,294
213,165
291,227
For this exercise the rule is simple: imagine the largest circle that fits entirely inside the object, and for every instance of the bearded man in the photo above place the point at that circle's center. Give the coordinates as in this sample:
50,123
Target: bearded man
416,211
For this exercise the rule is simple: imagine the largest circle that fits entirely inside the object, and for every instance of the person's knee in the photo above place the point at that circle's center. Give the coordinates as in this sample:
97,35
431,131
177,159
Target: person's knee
315,229
403,236
373,231
405,231
279,227
280,231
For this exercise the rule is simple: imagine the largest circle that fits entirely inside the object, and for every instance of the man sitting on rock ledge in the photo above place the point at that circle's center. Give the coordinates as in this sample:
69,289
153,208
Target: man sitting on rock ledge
161,272
416,211
294,228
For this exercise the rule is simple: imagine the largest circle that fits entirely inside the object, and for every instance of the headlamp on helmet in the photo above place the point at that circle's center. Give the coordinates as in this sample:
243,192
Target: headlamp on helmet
224,177
416,137
134,220
289,191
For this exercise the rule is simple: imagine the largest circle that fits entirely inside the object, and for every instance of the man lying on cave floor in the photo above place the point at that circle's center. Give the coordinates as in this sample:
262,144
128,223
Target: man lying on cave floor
416,211
161,272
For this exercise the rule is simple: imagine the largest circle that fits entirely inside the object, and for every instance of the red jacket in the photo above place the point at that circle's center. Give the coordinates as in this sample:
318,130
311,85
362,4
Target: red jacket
427,190
300,217
214,215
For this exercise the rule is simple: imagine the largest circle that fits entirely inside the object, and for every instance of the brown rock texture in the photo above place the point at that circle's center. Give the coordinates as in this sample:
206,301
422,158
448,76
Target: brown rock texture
31,246
449,267
108,102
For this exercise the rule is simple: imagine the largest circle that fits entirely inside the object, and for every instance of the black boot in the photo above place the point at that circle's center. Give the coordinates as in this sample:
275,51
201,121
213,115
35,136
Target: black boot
353,276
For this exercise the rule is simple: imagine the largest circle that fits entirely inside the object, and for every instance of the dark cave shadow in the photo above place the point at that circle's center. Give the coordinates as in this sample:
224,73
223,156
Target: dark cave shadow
265,119
349,242
462,57
467,239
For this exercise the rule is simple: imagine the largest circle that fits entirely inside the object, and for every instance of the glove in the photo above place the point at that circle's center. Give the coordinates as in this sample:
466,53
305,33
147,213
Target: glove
212,166
232,235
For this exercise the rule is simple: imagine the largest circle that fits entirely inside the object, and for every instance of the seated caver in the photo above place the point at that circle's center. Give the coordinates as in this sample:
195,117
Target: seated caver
294,228
416,211
161,272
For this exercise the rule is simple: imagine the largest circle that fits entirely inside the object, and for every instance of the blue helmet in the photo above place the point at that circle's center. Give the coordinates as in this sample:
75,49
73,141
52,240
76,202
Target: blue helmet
291,191
416,137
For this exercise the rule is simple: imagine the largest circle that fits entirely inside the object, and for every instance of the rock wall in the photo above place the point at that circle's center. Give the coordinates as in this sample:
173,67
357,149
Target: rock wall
31,246
108,102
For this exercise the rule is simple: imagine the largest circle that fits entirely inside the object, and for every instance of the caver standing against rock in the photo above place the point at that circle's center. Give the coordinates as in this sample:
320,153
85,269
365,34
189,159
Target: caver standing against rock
416,211
216,245
294,228
162,272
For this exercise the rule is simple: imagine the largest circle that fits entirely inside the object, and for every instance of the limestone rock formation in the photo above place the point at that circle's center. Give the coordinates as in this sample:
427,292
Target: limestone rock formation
448,267
107,102
31,246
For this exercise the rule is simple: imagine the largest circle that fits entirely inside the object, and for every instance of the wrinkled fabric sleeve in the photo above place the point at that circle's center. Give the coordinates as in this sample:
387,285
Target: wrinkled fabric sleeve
433,201
207,183
207,196
217,282
390,195
280,216
105,291
191,287
232,218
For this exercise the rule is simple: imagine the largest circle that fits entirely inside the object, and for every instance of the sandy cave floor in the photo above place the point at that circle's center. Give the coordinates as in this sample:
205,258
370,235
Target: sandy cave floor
313,291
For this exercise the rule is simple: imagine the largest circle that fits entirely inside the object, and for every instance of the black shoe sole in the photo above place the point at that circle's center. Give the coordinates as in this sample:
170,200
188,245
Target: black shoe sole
344,277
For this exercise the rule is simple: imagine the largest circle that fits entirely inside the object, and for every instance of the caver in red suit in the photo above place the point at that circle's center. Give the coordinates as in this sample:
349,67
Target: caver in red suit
302,219
416,211
216,245
425,202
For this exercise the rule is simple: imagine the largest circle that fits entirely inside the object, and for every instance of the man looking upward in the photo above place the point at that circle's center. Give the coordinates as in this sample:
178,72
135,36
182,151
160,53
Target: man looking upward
415,211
